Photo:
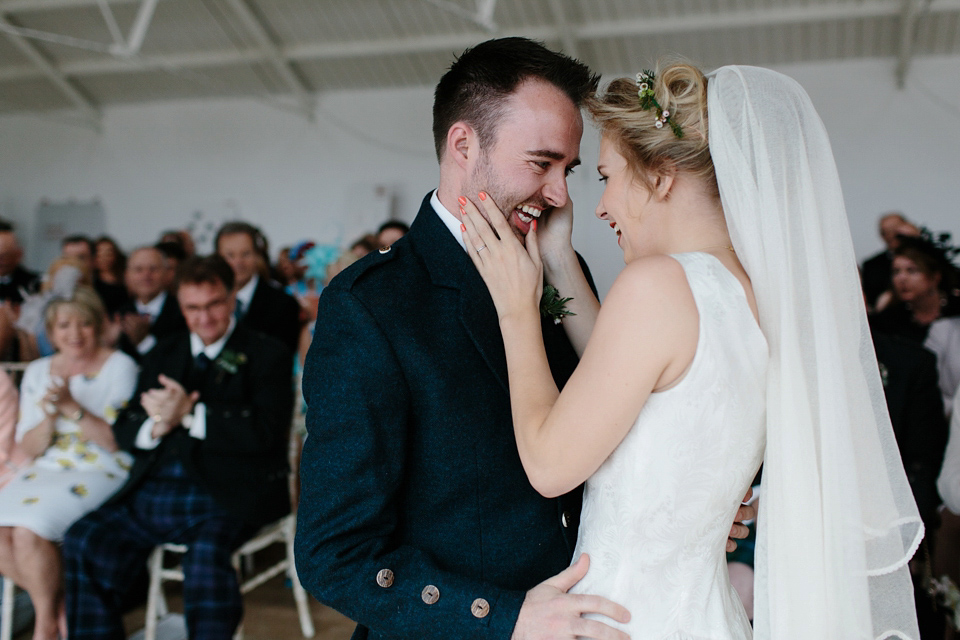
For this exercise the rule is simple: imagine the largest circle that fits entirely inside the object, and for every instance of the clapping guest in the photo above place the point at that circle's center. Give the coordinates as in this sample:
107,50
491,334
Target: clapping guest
153,313
68,402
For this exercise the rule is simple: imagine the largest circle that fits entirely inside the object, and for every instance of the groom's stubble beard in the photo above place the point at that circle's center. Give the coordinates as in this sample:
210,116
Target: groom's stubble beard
485,178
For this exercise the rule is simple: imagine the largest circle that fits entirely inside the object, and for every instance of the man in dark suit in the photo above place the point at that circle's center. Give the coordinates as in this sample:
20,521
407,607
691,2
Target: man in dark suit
15,281
416,518
261,303
153,313
208,429
82,249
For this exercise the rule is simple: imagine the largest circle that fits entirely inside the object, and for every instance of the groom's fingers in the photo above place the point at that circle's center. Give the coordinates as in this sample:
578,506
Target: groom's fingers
598,604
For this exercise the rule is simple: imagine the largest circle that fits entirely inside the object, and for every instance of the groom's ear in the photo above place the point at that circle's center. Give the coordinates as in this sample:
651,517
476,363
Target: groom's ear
461,143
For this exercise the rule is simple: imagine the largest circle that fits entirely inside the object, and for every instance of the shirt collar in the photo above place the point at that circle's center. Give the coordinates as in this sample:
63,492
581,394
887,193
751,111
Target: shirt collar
448,219
245,294
153,307
213,349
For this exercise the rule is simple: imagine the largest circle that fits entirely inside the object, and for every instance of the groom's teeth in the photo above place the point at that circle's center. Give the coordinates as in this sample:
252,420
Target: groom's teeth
530,211
525,218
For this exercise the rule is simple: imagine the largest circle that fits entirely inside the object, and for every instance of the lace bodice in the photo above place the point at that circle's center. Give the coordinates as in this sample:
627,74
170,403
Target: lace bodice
657,513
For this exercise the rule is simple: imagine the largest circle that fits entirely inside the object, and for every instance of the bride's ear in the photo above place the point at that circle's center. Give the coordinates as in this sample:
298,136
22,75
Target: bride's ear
663,182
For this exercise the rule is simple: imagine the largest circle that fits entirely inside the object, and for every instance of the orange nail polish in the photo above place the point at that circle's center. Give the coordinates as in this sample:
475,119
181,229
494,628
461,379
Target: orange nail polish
462,201
534,225
463,227
483,195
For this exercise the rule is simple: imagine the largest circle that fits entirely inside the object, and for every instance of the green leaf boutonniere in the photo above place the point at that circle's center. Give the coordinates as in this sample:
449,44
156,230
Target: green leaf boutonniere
553,306
230,361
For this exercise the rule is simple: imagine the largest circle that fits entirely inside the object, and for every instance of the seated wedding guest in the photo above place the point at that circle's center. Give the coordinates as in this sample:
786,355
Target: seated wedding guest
153,313
68,402
909,376
364,245
943,340
391,231
12,457
948,484
15,281
924,282
208,428
175,255
181,237
875,272
261,304
62,277
109,261
82,249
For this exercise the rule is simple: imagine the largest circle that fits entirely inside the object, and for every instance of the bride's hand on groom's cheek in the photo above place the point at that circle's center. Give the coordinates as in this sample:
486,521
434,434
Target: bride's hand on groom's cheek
745,513
512,272
549,611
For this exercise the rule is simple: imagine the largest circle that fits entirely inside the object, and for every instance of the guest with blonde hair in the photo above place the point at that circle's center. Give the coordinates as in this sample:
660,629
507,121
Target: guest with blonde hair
68,403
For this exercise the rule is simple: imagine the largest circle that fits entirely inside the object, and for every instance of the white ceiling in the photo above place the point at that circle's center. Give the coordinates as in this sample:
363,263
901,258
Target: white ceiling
83,55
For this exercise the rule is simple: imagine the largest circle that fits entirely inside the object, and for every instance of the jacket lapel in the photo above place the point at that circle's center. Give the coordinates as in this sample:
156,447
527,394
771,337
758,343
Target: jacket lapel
450,267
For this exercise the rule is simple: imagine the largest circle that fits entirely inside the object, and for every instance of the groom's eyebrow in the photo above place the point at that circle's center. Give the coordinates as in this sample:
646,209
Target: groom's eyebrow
553,155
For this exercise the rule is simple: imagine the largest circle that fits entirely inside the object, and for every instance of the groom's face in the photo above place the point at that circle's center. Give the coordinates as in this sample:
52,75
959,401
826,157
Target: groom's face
536,146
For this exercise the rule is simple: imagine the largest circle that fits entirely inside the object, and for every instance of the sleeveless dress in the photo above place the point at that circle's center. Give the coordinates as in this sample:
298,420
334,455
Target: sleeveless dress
73,476
657,513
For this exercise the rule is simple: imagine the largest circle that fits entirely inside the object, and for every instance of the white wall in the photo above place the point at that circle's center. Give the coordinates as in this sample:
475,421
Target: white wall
154,166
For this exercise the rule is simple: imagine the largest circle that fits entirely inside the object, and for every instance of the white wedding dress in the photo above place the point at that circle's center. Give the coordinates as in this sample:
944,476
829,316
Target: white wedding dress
657,513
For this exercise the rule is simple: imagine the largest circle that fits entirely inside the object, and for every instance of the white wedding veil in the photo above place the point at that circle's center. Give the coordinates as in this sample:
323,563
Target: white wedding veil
837,521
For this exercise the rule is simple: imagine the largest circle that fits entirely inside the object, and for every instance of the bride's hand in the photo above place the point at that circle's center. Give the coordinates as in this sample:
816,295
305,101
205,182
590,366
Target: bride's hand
555,234
513,273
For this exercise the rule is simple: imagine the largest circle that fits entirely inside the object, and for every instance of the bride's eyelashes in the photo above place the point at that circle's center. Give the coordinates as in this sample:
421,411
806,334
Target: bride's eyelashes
603,179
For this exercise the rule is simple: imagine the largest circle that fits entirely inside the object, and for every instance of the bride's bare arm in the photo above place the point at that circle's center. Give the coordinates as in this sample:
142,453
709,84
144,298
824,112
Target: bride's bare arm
562,270
644,338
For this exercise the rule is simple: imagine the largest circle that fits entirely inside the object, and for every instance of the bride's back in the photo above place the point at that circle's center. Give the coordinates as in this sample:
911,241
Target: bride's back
657,512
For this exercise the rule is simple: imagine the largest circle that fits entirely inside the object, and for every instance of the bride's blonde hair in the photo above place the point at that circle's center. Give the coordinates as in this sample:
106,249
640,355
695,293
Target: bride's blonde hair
681,89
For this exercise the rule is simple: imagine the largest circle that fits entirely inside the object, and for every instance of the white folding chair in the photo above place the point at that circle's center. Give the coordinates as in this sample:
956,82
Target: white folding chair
280,531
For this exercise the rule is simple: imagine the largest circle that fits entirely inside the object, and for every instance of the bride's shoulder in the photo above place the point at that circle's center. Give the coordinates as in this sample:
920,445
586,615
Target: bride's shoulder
651,275
652,288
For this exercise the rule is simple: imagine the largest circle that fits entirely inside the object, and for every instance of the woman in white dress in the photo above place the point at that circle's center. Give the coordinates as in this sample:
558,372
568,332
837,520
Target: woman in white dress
67,403
735,335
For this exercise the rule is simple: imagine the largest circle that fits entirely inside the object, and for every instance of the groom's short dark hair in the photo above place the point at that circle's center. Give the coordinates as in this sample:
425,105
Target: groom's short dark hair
479,82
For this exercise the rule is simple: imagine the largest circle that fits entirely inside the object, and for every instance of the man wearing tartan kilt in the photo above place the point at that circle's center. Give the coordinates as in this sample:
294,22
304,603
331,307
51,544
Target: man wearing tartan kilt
208,429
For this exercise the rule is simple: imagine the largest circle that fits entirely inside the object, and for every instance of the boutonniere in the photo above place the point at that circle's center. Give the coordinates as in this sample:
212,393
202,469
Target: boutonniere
229,361
553,306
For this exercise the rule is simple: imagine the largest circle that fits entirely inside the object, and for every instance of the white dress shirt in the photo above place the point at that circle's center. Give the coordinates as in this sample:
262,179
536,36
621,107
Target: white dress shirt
448,219
151,309
198,418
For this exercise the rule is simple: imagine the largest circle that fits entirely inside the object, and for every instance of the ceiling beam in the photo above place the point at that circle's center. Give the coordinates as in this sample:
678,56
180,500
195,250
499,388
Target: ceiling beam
455,42
563,28
87,110
8,6
272,53
909,15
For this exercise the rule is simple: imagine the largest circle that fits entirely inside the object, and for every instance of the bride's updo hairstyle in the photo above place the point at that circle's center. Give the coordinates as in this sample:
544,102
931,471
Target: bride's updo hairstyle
681,89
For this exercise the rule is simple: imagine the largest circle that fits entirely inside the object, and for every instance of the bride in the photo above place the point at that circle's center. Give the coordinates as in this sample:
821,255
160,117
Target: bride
734,335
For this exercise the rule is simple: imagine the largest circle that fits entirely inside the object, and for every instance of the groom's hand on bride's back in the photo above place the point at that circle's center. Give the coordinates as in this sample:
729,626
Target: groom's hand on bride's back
745,513
549,611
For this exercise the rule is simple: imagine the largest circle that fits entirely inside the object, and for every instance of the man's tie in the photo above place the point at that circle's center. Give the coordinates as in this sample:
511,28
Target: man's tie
201,361
238,311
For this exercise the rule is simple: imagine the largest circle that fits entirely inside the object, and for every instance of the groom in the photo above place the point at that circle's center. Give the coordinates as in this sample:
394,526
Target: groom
416,518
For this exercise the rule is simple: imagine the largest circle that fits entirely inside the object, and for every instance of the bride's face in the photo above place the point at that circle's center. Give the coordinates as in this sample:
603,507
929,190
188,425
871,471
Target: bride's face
623,201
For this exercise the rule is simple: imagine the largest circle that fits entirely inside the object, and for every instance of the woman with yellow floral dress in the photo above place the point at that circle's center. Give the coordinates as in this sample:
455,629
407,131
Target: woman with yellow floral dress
68,402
